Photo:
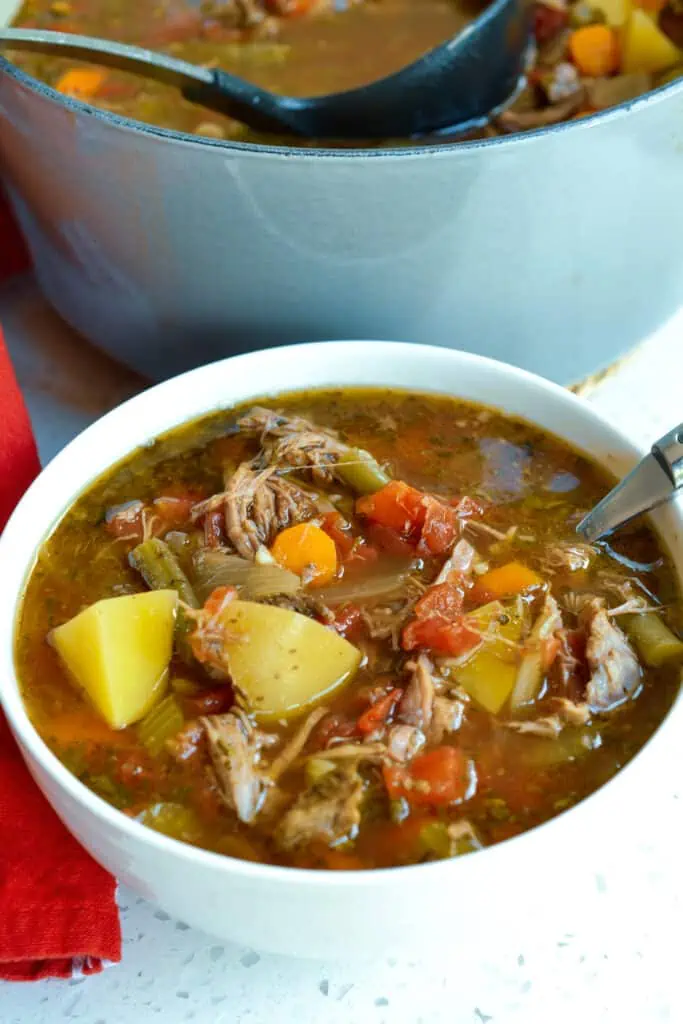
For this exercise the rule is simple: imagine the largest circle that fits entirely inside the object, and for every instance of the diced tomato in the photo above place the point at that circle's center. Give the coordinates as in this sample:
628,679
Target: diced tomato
126,521
334,725
443,599
348,620
377,714
396,506
437,778
468,508
218,599
440,529
174,510
350,549
439,624
435,634
336,527
214,528
210,702
388,541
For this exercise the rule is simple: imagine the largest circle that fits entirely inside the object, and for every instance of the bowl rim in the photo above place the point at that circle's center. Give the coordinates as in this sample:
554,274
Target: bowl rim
399,153
31,510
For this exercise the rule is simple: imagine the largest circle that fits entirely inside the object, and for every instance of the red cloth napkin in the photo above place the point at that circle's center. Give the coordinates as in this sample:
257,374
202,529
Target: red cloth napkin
58,914
14,257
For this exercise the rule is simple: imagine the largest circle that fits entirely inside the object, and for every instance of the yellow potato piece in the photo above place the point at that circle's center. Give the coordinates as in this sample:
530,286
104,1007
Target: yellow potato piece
489,675
616,12
645,47
282,662
118,651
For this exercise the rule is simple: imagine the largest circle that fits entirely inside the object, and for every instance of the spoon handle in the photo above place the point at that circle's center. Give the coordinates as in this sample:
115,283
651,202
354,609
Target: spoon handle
655,480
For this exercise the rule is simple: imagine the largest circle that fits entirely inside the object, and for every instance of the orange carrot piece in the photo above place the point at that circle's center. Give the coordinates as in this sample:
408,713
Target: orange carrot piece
505,581
595,50
308,551
81,83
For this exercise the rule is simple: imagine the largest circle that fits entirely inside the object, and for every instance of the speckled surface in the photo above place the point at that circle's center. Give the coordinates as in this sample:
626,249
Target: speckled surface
619,967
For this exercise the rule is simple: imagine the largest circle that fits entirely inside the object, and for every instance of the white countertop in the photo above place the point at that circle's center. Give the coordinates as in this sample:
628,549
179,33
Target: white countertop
621,968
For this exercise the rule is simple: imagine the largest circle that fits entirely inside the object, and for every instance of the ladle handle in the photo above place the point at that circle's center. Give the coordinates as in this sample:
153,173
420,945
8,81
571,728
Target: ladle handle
119,56
261,110
218,90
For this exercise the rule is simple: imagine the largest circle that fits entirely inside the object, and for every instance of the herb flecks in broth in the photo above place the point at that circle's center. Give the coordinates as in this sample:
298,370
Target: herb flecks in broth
347,629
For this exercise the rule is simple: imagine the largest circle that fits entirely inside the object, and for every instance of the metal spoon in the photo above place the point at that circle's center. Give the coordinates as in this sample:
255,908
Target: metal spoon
457,84
656,480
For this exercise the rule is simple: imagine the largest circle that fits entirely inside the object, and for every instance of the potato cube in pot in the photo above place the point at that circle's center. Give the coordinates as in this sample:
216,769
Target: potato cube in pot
645,47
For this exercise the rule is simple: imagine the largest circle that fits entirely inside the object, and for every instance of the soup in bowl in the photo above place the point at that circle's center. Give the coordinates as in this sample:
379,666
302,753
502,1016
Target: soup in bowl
286,652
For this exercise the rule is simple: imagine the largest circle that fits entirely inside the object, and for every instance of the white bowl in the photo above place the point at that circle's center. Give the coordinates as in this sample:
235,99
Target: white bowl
315,913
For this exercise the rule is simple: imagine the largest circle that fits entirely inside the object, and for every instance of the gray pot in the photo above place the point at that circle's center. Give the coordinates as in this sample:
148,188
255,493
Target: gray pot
557,251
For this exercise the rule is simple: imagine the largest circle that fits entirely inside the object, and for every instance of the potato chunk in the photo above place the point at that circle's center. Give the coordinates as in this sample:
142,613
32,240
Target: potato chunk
118,651
282,662
489,675
645,47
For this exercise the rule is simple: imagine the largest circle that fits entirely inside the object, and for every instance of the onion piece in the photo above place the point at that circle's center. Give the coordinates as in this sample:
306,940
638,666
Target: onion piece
214,568
378,585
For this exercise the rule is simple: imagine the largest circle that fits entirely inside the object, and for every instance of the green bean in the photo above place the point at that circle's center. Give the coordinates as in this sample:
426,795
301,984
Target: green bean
162,722
359,470
161,570
656,644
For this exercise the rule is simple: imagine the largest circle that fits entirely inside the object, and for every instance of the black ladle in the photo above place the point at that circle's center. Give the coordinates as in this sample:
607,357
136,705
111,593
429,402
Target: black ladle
459,83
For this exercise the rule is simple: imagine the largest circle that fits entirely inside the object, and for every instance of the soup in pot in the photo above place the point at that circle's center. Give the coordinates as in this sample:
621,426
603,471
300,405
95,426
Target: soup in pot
347,629
590,54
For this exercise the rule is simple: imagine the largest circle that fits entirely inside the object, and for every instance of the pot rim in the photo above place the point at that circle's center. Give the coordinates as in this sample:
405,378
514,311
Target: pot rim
398,153
34,519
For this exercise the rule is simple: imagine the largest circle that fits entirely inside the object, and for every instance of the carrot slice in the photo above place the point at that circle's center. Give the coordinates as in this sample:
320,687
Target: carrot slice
595,50
505,581
81,83
307,550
